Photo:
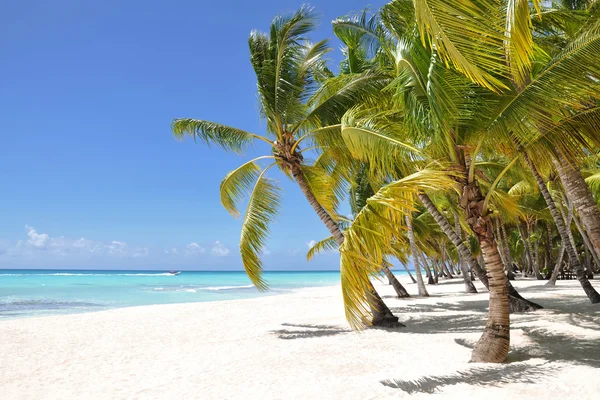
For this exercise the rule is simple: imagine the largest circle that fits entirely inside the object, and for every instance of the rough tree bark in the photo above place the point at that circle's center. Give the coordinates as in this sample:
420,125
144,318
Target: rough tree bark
494,344
580,195
415,253
591,293
556,270
400,290
412,278
516,302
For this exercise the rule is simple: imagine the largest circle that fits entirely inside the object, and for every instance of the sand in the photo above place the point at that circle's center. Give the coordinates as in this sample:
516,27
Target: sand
298,346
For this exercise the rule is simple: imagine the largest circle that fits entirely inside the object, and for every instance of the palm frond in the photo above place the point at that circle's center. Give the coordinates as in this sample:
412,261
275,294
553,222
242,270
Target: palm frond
210,133
239,183
263,206
398,17
519,46
521,188
376,233
593,182
327,244
359,31
381,142
467,34
324,187
567,83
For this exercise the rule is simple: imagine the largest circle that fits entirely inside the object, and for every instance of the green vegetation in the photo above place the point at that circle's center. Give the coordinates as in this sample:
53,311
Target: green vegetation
466,133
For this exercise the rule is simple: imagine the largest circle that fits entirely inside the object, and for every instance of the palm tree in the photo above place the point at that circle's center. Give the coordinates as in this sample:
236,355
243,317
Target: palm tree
499,94
288,68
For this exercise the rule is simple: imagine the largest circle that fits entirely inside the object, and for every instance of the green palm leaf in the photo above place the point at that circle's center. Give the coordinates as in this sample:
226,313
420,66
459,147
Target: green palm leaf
239,183
263,206
467,34
519,49
321,246
376,233
212,133
568,82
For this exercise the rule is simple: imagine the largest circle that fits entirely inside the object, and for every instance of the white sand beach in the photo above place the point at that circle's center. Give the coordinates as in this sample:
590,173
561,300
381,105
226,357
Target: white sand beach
298,346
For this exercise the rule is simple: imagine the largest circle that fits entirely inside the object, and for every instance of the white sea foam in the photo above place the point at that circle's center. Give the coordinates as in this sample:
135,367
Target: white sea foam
227,287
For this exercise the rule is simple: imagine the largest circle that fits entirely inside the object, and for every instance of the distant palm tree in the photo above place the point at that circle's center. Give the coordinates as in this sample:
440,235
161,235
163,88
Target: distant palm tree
288,68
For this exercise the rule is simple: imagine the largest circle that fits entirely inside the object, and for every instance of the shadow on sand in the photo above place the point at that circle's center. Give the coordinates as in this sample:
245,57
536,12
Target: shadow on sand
309,331
482,376
549,346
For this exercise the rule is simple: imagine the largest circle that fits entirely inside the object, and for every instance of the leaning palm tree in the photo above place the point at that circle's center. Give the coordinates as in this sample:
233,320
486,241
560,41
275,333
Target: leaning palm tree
470,80
288,68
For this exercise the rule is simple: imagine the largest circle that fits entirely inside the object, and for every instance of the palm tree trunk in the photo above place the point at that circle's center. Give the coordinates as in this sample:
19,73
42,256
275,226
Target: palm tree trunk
588,244
412,278
564,235
382,316
400,290
580,195
436,272
516,302
536,265
494,344
430,280
528,253
415,253
556,270
502,249
549,244
469,286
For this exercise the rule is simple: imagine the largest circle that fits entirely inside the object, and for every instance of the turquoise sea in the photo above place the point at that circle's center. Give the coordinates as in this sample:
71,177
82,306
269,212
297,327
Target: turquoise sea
26,293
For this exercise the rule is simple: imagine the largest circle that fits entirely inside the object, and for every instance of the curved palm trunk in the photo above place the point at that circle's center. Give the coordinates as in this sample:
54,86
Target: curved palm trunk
528,254
505,248
430,280
436,272
549,246
588,244
516,302
591,293
400,290
537,264
580,195
415,252
412,278
494,344
382,316
469,286
556,270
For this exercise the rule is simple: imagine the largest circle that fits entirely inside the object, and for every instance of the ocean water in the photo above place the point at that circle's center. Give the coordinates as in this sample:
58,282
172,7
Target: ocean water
25,293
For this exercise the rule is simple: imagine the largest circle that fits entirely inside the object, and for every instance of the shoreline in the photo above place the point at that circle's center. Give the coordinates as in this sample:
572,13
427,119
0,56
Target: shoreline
283,292
298,345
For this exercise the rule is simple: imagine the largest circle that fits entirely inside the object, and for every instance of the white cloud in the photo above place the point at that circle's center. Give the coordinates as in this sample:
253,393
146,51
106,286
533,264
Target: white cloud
311,244
219,250
116,247
194,249
140,252
266,251
37,240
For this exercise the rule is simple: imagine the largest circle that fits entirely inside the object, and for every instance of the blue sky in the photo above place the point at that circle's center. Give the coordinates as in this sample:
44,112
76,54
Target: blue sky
91,176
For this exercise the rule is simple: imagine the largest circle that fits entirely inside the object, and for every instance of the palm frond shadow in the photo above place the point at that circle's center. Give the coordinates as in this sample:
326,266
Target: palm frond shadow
551,346
309,331
481,376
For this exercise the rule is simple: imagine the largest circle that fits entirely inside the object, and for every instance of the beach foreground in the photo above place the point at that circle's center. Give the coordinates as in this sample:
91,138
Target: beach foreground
298,346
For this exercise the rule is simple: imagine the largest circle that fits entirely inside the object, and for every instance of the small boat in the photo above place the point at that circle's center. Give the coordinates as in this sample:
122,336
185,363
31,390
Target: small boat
174,272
